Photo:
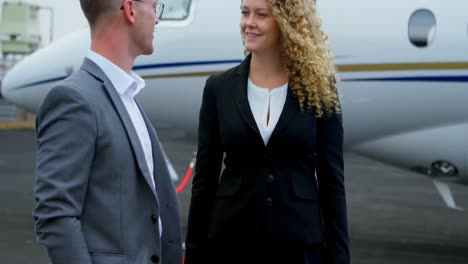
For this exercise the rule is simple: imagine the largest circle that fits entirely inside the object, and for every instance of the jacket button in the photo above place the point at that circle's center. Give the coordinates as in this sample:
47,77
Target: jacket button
270,178
155,259
269,201
153,218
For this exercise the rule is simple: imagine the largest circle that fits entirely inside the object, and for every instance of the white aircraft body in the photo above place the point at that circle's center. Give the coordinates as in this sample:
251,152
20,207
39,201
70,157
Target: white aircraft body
402,73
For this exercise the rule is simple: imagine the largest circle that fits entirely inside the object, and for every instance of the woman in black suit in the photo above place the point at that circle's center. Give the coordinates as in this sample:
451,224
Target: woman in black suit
275,121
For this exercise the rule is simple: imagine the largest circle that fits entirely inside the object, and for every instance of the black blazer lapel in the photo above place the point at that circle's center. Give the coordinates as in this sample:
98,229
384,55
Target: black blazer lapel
240,95
94,70
290,108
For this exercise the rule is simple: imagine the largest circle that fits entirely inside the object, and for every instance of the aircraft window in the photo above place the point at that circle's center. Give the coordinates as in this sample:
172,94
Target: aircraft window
422,28
176,9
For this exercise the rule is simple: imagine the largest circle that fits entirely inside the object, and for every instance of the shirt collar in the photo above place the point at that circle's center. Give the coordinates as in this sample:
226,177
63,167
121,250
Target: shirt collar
265,91
122,81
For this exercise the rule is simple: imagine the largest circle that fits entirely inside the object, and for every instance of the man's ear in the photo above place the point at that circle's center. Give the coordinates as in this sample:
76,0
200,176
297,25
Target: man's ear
129,11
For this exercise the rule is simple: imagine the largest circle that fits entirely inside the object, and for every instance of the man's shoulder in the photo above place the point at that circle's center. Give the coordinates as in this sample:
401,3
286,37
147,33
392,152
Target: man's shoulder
80,78
80,81
79,85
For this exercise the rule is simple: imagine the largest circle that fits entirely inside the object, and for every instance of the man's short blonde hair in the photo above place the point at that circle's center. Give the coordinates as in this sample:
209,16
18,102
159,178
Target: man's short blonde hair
96,9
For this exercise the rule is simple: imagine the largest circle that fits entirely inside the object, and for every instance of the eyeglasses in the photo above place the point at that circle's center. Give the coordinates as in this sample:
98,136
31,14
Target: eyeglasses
158,9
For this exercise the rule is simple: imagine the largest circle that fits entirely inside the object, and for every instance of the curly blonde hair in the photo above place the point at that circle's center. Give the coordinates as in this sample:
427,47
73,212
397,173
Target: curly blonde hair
307,56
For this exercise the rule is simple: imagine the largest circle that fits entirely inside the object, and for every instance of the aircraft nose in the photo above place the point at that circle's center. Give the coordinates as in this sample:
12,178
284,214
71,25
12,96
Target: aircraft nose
5,89
8,91
27,83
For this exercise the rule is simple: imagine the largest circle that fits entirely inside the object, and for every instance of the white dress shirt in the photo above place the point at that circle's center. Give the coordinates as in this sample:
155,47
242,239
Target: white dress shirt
262,102
128,86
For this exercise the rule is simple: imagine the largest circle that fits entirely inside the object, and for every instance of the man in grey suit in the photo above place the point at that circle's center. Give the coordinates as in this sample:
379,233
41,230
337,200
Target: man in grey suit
103,190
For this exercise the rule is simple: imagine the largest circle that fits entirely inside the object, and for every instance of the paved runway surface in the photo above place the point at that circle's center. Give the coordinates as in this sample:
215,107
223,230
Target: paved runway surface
395,216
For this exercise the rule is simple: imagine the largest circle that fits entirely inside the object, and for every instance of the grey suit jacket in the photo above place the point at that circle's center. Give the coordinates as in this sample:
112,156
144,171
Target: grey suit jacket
95,200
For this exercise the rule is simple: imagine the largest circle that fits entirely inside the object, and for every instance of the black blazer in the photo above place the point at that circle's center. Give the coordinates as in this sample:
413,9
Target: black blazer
265,194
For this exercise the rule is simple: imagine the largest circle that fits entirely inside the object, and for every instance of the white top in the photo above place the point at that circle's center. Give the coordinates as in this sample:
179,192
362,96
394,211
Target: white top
263,101
128,86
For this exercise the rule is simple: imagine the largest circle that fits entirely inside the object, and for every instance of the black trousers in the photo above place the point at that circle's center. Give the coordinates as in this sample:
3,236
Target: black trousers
258,253
313,257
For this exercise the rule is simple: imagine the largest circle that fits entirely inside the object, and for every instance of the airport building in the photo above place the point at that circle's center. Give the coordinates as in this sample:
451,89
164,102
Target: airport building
19,37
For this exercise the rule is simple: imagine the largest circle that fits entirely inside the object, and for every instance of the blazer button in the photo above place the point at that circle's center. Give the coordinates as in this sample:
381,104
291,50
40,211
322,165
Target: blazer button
269,201
153,219
155,259
270,178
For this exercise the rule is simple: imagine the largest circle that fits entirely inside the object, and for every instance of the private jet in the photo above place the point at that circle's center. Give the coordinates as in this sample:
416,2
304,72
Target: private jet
402,68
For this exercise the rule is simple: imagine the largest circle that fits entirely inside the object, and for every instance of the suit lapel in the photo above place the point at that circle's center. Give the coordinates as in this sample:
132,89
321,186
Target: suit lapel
290,108
158,156
161,171
155,146
242,102
94,70
240,95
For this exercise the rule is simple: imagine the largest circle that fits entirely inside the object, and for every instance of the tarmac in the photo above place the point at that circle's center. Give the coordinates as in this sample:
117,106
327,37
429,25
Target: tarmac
395,216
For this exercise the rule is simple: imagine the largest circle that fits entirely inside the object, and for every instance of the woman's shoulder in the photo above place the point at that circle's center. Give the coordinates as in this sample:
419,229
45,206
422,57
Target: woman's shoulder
232,74
225,75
